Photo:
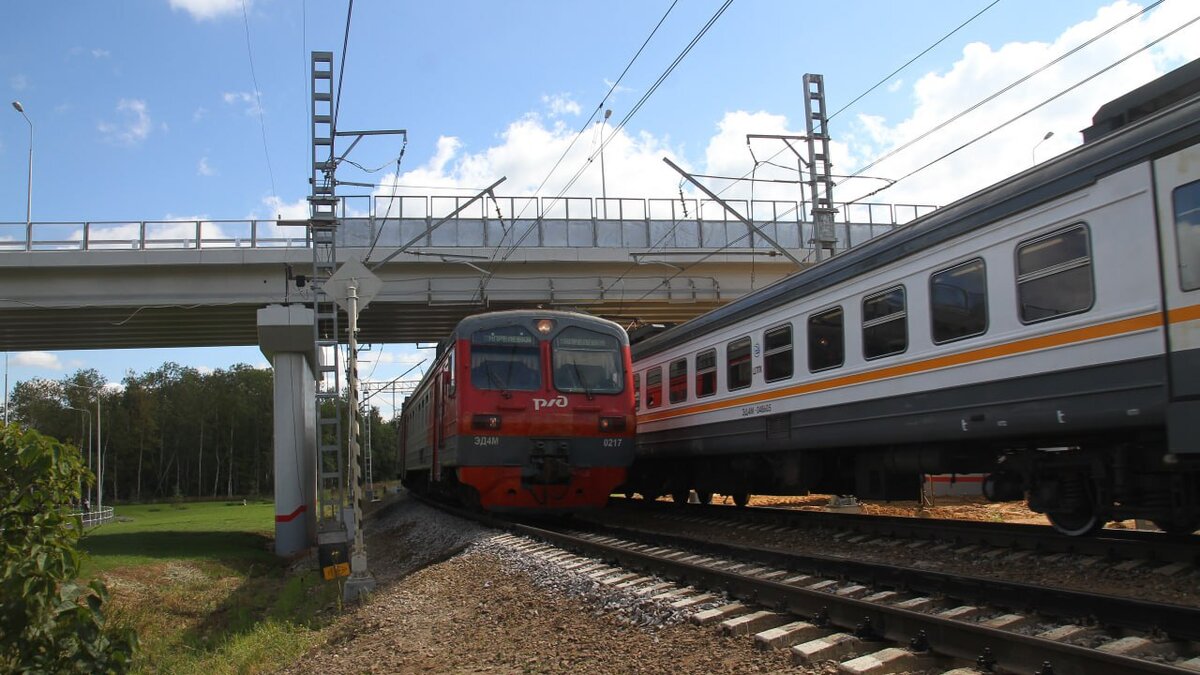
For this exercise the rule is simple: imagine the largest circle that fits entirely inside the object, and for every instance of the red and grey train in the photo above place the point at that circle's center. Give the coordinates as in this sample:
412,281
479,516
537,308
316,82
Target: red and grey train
1044,331
523,411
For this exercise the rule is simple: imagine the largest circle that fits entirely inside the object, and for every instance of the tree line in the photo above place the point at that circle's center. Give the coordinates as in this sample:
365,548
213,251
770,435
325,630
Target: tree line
176,432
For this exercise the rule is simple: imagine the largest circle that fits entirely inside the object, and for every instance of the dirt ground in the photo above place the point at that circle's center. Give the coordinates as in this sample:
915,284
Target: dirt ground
952,508
464,609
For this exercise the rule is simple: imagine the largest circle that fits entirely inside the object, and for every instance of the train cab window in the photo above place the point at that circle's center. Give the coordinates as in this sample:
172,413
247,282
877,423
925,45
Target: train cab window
1186,201
777,353
587,362
826,339
637,391
654,387
505,358
706,373
1054,275
885,323
677,381
958,302
737,358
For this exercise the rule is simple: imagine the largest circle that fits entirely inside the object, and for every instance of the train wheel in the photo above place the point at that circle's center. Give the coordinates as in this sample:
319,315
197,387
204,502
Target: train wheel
1177,527
741,498
680,496
704,497
1075,523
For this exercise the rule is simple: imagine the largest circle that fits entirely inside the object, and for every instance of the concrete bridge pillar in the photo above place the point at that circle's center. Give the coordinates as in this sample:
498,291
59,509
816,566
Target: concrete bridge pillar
285,336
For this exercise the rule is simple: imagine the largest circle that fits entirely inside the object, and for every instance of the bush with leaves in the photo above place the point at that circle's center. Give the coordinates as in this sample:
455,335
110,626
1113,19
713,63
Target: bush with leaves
49,622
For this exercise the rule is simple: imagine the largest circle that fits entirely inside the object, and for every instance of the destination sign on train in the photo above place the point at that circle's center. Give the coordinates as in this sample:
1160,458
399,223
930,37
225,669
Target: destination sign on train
491,337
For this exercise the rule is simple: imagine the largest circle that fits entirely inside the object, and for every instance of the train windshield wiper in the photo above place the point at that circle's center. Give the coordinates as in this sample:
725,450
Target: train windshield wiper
496,381
583,383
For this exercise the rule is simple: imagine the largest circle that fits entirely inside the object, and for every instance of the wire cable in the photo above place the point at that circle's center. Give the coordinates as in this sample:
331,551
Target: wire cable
1006,89
1039,105
910,61
337,105
262,125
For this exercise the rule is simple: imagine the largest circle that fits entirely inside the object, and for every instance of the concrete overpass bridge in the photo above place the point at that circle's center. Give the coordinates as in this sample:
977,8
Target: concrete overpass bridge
81,285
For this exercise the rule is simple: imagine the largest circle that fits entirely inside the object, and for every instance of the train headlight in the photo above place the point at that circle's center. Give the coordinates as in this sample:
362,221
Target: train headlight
544,326
489,422
612,424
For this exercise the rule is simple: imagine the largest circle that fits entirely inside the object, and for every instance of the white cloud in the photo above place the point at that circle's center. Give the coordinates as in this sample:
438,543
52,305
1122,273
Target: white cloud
202,10
560,104
101,53
204,169
983,69
135,125
205,370
18,82
114,387
246,98
45,360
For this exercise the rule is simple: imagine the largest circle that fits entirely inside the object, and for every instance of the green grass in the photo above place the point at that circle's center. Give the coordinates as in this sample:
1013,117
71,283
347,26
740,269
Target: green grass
200,584
147,533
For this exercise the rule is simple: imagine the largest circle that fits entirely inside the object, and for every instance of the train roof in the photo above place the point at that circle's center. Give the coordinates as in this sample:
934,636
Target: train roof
475,322
1159,133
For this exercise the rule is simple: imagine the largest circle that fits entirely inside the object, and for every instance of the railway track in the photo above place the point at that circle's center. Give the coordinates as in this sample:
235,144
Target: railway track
876,618
1110,544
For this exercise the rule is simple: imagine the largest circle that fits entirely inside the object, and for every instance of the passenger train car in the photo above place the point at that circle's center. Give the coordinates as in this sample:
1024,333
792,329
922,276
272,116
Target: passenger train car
1044,331
523,411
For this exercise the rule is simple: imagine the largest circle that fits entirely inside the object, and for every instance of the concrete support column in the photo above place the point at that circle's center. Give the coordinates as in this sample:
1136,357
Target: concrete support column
285,338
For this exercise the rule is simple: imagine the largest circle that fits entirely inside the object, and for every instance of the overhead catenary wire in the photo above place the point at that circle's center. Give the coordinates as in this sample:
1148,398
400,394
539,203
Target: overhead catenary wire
1006,89
910,61
624,121
1045,102
599,107
337,104
262,125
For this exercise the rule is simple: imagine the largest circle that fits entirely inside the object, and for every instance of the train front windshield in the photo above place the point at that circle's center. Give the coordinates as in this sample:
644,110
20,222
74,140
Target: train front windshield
587,362
506,358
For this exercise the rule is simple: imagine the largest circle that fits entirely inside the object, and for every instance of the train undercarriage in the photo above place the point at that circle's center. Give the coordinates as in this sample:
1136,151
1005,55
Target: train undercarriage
1079,488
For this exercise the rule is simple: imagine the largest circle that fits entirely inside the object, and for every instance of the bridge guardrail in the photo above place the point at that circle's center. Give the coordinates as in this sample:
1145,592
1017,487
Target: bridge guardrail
387,222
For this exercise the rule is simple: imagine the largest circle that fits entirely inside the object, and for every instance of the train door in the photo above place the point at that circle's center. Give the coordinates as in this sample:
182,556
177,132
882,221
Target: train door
1177,182
435,430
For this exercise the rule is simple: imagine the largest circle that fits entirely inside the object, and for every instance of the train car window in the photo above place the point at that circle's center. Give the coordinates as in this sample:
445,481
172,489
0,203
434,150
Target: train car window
958,302
677,381
587,362
654,387
706,373
505,358
637,391
737,358
777,353
885,323
826,339
1054,275
1186,199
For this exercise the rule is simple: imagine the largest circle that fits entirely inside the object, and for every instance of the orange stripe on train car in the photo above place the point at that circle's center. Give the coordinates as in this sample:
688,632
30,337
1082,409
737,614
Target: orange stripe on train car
1075,335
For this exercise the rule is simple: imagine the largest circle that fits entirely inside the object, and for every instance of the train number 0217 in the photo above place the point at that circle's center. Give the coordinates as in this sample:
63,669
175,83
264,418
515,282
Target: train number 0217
613,442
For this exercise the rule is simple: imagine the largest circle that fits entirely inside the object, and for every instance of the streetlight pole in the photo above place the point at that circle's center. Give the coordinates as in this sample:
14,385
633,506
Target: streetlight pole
89,428
6,388
29,184
99,444
1033,153
603,184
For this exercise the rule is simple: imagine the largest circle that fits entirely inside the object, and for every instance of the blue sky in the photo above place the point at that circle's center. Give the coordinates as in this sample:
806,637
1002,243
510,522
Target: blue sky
149,109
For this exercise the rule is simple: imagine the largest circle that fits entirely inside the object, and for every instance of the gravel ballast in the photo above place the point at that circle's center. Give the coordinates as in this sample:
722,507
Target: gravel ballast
455,597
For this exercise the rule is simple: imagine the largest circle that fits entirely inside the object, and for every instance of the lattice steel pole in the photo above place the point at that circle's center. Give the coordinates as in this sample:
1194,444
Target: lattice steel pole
360,580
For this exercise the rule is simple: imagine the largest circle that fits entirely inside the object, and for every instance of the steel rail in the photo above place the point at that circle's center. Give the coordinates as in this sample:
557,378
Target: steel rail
1109,543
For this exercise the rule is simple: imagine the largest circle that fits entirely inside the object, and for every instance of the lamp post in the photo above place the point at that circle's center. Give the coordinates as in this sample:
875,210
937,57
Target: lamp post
603,185
6,388
29,184
99,444
1045,138
89,428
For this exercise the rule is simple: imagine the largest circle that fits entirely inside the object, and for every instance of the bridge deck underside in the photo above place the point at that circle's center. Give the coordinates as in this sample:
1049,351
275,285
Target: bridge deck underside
232,325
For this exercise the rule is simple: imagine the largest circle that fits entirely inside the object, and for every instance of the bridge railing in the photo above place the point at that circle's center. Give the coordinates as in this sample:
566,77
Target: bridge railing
515,222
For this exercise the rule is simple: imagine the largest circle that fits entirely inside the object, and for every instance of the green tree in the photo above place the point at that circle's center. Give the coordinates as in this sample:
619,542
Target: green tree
49,622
